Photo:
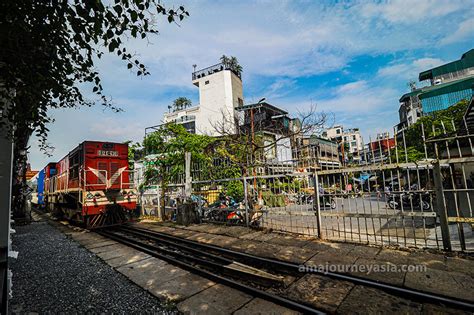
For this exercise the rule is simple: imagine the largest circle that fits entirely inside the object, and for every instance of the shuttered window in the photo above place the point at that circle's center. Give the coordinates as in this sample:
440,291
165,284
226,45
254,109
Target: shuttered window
114,175
102,177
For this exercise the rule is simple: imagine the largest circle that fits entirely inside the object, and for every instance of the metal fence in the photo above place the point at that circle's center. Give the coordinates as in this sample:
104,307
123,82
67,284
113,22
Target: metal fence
386,194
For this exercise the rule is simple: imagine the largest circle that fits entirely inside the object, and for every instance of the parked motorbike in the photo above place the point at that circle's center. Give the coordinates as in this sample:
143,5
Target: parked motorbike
327,201
304,199
410,201
236,217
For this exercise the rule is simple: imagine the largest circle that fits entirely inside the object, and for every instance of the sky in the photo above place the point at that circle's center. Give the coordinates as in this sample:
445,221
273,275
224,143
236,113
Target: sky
352,60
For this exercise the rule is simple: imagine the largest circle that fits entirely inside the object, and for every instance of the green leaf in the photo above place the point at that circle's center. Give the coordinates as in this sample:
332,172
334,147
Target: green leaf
134,16
118,9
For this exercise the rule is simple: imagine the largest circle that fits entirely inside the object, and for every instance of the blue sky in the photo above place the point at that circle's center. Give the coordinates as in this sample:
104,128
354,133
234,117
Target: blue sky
351,59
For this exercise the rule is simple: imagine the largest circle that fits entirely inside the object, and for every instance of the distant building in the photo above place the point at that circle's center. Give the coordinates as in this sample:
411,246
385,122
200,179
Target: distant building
351,137
220,94
379,150
314,152
448,84
279,131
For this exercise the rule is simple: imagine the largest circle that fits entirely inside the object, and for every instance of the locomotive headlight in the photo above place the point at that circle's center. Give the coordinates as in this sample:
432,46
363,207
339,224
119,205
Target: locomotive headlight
89,196
97,194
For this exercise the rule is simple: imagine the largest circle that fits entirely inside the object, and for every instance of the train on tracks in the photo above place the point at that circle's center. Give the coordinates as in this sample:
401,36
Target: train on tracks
92,185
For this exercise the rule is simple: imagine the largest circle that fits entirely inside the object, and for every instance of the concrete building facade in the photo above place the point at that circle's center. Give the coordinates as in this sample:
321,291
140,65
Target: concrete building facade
220,94
350,138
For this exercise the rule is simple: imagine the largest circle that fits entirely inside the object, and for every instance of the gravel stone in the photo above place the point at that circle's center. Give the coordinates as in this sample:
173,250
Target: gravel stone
54,274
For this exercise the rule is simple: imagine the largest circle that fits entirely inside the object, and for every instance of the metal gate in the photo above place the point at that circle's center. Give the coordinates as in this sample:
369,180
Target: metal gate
386,194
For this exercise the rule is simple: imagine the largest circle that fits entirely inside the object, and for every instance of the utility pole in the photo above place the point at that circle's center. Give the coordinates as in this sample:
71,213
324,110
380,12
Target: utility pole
252,131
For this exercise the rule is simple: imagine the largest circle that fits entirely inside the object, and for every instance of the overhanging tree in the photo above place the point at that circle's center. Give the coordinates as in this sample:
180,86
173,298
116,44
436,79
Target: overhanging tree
436,125
49,49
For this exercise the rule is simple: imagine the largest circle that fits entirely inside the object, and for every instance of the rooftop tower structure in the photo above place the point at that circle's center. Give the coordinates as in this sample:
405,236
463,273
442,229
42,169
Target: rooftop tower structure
220,94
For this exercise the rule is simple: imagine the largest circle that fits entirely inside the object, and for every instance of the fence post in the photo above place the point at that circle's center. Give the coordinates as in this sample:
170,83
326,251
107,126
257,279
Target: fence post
441,205
188,180
246,202
316,205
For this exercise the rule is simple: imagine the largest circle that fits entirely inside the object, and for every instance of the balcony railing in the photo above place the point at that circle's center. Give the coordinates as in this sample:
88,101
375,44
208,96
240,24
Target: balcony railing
212,69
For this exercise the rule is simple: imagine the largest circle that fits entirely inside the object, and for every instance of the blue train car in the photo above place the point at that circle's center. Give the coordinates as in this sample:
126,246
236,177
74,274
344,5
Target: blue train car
40,187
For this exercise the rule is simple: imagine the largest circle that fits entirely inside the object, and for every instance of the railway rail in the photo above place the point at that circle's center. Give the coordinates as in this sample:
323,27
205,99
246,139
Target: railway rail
201,266
233,266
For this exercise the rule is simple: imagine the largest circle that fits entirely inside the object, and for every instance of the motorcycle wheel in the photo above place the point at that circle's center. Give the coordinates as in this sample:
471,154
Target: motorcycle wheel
333,204
426,205
392,204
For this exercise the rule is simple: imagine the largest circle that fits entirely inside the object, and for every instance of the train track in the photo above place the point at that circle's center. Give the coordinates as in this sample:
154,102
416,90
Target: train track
236,267
180,256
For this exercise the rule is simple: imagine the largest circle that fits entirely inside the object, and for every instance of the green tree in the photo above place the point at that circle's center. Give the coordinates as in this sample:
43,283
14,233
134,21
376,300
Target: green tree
165,150
232,63
48,55
135,152
436,125
181,103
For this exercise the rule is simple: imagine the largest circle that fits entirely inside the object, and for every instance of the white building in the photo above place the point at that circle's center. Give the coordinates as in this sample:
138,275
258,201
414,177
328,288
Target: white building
220,93
334,133
351,137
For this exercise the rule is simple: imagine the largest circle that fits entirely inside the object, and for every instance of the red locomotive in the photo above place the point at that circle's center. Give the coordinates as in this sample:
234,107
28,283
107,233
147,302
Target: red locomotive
92,184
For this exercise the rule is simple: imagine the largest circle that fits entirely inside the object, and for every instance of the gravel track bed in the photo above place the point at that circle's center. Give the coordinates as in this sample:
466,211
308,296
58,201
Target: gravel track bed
54,274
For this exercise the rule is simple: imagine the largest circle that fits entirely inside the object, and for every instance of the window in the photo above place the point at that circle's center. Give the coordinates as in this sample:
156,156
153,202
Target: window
353,137
338,131
207,82
74,166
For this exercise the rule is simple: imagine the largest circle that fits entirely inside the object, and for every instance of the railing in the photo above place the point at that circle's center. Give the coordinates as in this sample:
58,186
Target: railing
212,69
130,183
102,179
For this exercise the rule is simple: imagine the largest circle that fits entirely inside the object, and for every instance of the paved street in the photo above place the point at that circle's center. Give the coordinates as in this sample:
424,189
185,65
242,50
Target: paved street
365,219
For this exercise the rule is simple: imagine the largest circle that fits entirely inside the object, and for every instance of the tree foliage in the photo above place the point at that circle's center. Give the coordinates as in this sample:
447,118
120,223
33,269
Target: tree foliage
49,51
135,152
166,147
436,125
232,63
48,56
181,103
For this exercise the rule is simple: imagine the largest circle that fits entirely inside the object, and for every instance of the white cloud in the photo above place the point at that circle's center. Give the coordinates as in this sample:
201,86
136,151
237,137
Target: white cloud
279,88
409,11
352,87
282,41
464,31
409,71
285,38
